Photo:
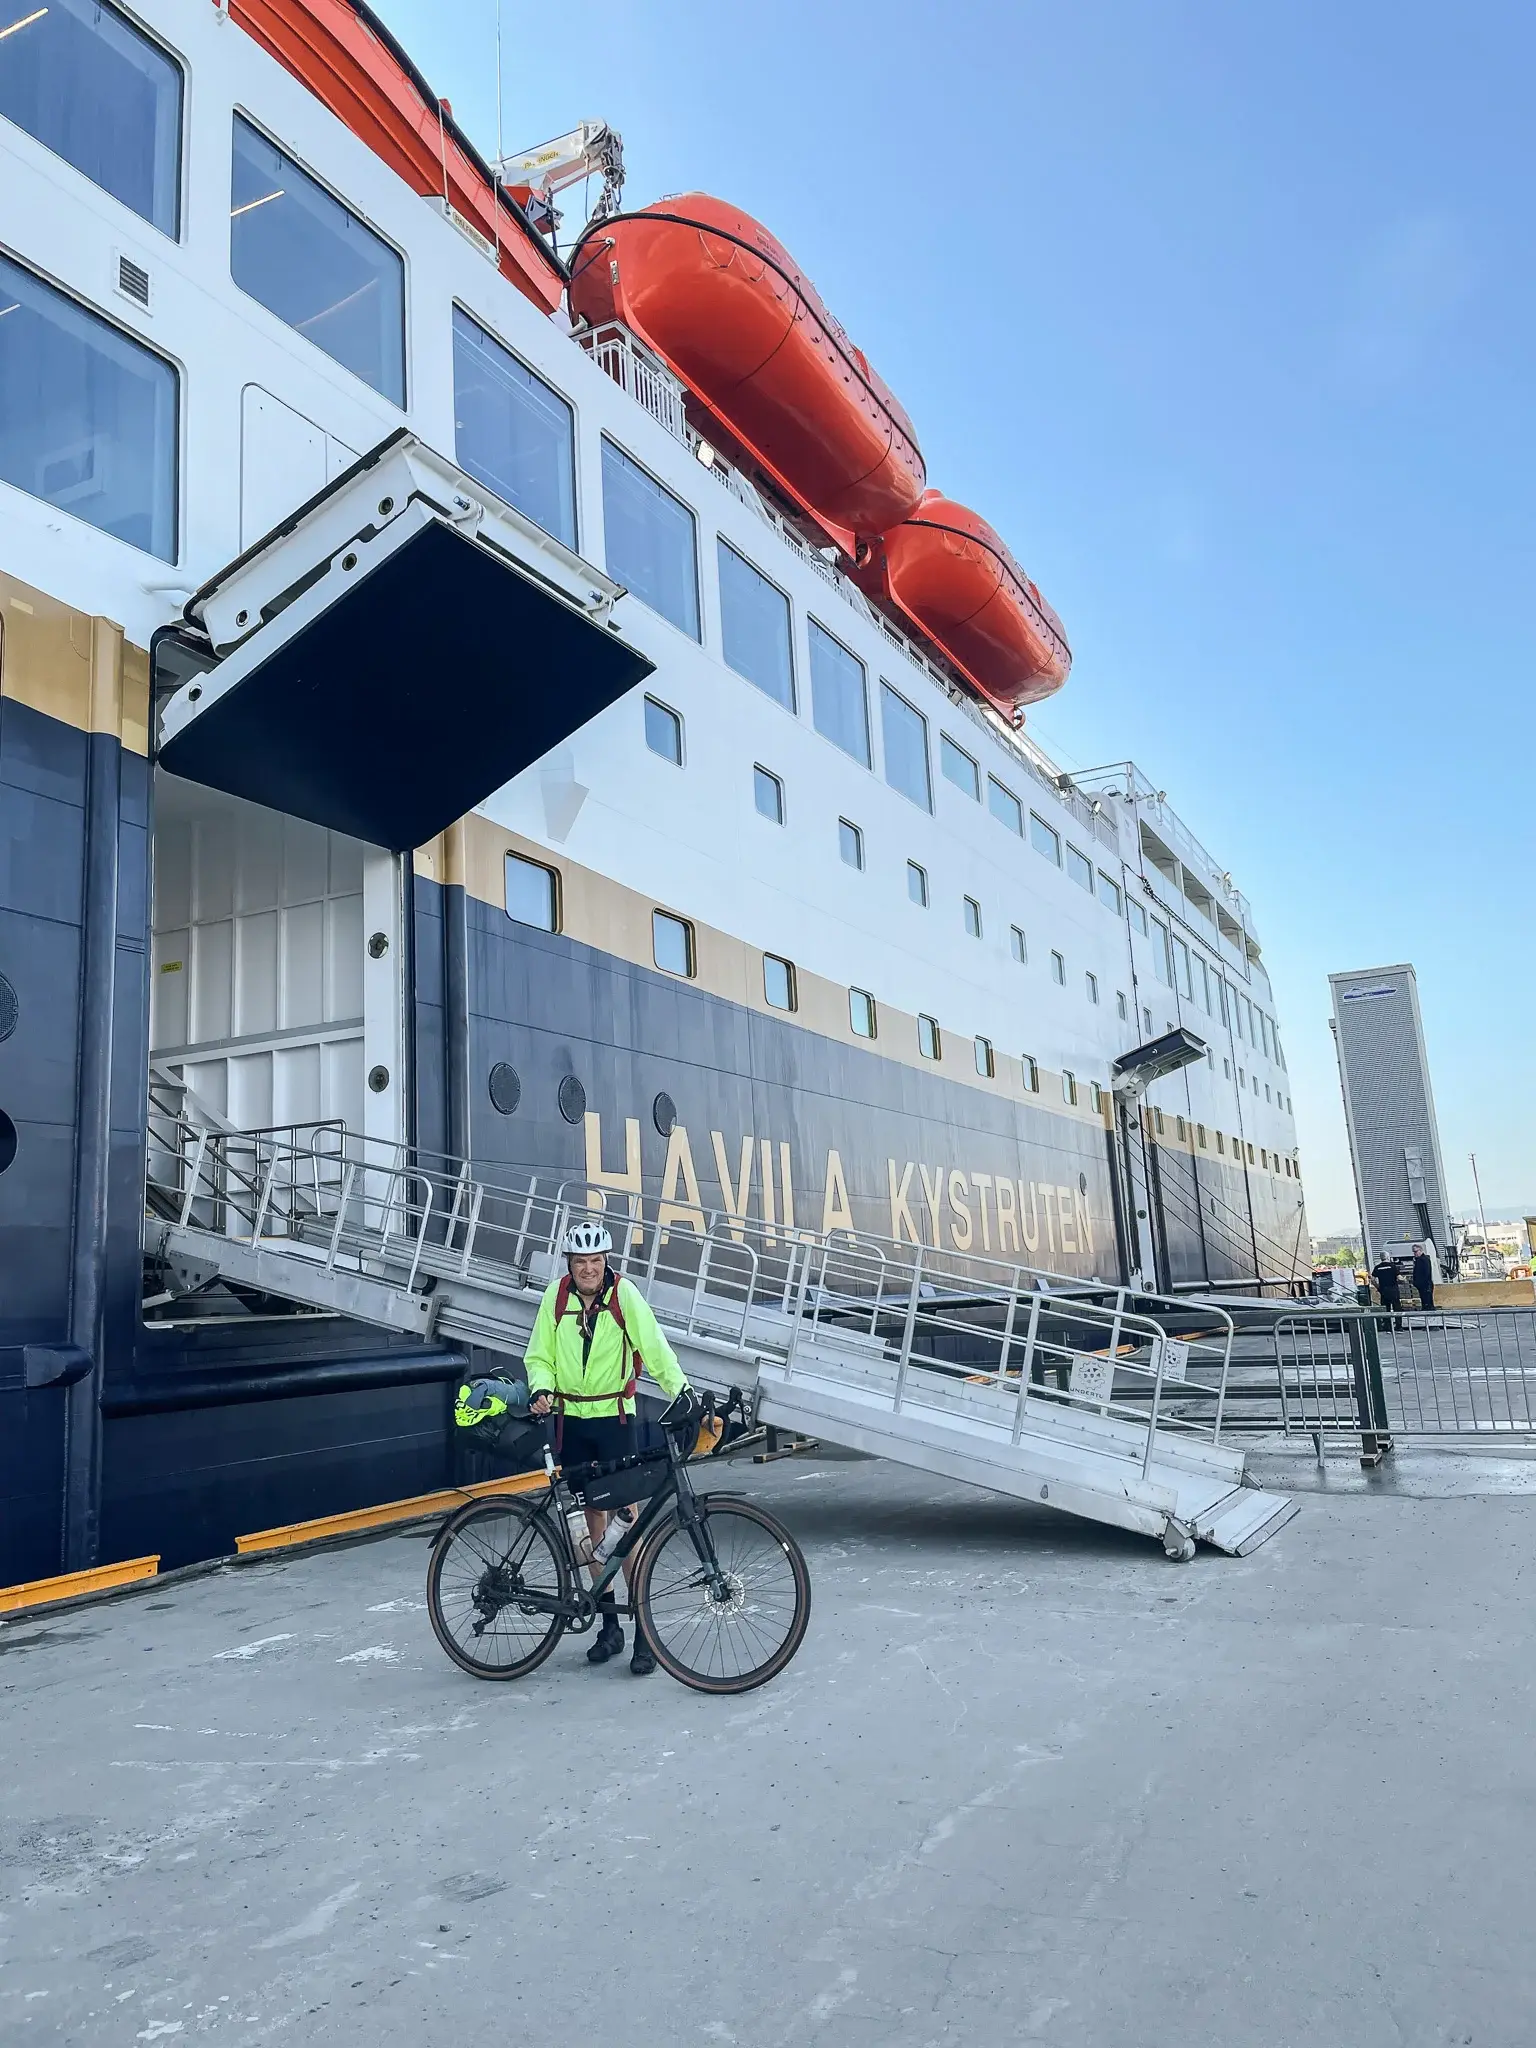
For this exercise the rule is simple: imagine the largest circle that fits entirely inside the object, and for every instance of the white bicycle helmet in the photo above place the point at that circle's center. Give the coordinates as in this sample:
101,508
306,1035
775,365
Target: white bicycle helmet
587,1234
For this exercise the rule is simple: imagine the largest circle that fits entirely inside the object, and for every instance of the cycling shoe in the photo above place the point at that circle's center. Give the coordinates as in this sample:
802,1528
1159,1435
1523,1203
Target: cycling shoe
610,1643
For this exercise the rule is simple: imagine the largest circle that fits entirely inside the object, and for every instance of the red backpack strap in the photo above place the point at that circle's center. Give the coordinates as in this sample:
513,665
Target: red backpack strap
636,1362
562,1297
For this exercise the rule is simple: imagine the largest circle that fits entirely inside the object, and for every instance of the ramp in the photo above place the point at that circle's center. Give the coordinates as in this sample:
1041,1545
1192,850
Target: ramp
1074,1396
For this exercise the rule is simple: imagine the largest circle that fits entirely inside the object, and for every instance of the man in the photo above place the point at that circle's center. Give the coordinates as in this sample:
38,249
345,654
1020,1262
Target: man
1424,1276
1388,1283
592,1338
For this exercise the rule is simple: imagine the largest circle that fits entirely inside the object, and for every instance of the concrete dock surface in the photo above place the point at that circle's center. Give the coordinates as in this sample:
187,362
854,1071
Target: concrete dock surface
1026,1781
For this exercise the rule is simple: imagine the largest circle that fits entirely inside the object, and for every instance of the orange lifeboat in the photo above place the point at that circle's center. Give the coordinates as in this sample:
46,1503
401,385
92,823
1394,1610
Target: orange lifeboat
950,574
730,312
349,60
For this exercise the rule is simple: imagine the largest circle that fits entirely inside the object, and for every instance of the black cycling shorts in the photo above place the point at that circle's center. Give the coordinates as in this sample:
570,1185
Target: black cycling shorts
584,1439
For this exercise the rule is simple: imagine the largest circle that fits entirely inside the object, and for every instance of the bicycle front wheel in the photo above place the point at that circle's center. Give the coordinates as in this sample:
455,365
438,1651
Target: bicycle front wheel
493,1570
730,1630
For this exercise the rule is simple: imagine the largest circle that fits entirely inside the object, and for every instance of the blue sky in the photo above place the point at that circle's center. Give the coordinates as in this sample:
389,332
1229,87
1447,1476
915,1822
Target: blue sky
1224,317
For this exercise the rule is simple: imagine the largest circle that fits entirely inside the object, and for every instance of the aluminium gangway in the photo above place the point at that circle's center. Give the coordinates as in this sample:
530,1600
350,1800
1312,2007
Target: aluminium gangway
1079,1396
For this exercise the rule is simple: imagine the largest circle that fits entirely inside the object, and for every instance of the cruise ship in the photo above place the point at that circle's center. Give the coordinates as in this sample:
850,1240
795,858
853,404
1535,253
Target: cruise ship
659,814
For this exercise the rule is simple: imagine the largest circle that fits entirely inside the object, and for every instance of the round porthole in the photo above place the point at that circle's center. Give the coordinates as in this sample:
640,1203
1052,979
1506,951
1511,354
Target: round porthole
664,1113
378,945
7,1141
1082,1183
10,1008
506,1088
573,1100
378,1079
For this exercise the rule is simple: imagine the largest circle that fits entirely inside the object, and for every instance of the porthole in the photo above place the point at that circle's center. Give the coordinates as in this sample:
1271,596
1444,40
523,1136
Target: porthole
10,1008
7,1141
506,1089
572,1099
1082,1183
378,1079
664,1113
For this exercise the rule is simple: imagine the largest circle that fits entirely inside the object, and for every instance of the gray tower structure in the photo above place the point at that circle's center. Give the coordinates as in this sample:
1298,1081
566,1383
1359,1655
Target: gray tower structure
1394,1141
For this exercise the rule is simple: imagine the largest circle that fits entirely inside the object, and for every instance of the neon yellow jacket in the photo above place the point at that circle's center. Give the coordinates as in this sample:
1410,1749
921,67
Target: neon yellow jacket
593,1386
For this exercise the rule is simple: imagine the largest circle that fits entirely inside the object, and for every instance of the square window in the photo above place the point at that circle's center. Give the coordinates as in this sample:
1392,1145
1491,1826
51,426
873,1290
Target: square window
972,916
778,982
839,699
650,540
1005,806
1058,970
1122,1006
754,627
1045,839
929,1043
985,1064
862,1019
850,843
905,733
1069,1088
532,894
663,732
1018,944
917,884
1092,981
1079,868
1109,893
768,795
672,943
1031,1075
958,767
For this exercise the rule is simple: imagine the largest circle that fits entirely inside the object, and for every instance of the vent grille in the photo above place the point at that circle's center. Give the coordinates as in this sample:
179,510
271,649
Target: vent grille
133,281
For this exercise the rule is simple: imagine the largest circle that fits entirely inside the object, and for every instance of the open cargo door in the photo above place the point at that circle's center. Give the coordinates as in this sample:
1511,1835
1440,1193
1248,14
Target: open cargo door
399,648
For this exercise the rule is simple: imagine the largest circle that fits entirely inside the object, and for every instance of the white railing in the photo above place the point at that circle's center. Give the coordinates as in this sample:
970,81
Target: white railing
634,369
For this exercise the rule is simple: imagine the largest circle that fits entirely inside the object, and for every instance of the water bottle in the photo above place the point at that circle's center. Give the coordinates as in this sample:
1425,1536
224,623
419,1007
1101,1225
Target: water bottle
618,1528
581,1542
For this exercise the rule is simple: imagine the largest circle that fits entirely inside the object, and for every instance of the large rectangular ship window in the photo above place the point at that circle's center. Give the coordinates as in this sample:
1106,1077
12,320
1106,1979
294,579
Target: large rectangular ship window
533,894
1044,838
512,433
1109,893
650,541
1138,914
905,732
307,258
87,415
1079,868
959,768
839,700
754,627
84,82
1005,806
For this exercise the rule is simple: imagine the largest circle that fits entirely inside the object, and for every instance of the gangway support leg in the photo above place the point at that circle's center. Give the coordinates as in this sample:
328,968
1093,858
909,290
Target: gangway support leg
783,1443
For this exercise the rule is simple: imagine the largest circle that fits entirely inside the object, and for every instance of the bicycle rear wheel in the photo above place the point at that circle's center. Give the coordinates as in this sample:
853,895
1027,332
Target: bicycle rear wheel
485,1563
731,1637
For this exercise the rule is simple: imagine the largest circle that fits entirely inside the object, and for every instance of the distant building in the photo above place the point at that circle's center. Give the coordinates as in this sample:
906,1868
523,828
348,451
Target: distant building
1389,1107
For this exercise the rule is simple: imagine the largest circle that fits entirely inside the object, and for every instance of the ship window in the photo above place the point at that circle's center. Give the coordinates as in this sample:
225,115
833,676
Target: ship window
958,767
1018,944
1069,1088
972,916
839,702
917,884
905,732
1122,1006
533,894
1269,1034
1138,914
1097,1095
1157,1118
1146,1022
1250,1155
754,627
87,415
1005,806
779,982
311,261
512,433
1109,893
1162,956
649,539
1031,1074
986,1065
850,843
1221,1144
1045,839
663,731
1058,970
1092,982
672,943
90,86
929,1043
862,1017
1222,998
1183,1130
1079,868
768,795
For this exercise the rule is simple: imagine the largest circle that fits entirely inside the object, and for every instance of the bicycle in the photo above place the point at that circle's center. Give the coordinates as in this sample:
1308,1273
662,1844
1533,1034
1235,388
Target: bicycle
717,1579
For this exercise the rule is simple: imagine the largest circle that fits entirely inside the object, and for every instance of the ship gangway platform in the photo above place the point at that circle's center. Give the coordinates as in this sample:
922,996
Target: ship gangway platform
1078,1396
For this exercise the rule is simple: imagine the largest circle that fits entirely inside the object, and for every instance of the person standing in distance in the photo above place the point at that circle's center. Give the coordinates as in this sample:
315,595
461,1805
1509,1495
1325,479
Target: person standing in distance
1423,1276
1388,1285
592,1338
